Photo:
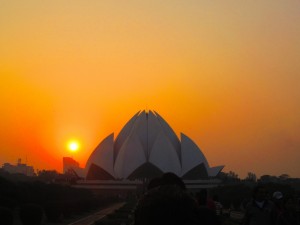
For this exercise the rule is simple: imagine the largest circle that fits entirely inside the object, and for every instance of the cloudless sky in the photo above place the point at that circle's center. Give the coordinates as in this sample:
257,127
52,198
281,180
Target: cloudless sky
225,73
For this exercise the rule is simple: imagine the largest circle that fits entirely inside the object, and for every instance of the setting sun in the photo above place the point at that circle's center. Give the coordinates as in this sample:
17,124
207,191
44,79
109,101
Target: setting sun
73,146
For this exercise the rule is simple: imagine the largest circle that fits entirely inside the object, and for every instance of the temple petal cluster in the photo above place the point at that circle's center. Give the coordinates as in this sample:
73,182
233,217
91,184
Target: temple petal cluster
147,147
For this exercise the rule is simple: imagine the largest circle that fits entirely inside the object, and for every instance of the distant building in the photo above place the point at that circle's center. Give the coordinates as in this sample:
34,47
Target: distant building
20,168
69,164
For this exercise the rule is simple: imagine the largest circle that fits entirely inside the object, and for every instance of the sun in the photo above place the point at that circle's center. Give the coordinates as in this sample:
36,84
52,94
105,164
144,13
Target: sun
73,146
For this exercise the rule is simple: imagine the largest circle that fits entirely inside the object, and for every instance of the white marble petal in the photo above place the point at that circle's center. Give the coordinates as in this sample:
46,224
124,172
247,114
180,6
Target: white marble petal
103,155
153,129
130,157
214,171
170,134
191,155
124,133
164,155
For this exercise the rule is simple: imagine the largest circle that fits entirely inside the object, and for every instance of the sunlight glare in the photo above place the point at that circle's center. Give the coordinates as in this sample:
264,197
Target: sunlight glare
73,146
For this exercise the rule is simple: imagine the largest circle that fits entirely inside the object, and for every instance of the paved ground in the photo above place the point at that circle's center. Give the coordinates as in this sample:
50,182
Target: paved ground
236,215
83,219
89,220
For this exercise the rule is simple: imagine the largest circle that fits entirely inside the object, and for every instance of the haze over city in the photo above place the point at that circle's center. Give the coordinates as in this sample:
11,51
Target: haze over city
226,73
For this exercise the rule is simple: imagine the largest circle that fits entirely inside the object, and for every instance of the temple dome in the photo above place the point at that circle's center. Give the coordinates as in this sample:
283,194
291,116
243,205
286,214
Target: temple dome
146,147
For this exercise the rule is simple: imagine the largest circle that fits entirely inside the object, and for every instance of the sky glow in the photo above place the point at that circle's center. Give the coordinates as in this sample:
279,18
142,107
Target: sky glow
225,73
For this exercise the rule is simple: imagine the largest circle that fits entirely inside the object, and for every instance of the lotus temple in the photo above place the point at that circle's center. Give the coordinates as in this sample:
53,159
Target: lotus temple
145,148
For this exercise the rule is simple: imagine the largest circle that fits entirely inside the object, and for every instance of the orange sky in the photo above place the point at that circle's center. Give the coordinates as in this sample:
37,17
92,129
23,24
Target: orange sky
225,73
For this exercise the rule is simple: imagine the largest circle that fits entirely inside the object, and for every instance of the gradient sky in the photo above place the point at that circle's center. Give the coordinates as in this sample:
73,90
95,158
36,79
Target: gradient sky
225,73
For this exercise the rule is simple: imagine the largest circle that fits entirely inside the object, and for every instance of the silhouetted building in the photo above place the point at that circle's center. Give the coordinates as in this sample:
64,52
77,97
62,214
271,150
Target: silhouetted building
71,164
20,168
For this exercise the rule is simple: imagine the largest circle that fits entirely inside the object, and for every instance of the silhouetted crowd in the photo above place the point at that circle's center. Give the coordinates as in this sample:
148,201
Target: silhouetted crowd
278,210
168,202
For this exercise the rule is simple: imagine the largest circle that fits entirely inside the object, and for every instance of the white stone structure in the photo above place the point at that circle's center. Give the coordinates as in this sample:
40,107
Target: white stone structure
146,147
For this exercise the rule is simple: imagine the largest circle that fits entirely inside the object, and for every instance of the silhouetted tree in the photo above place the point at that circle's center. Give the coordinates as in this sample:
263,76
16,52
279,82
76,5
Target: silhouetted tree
251,177
47,176
233,175
267,178
284,176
